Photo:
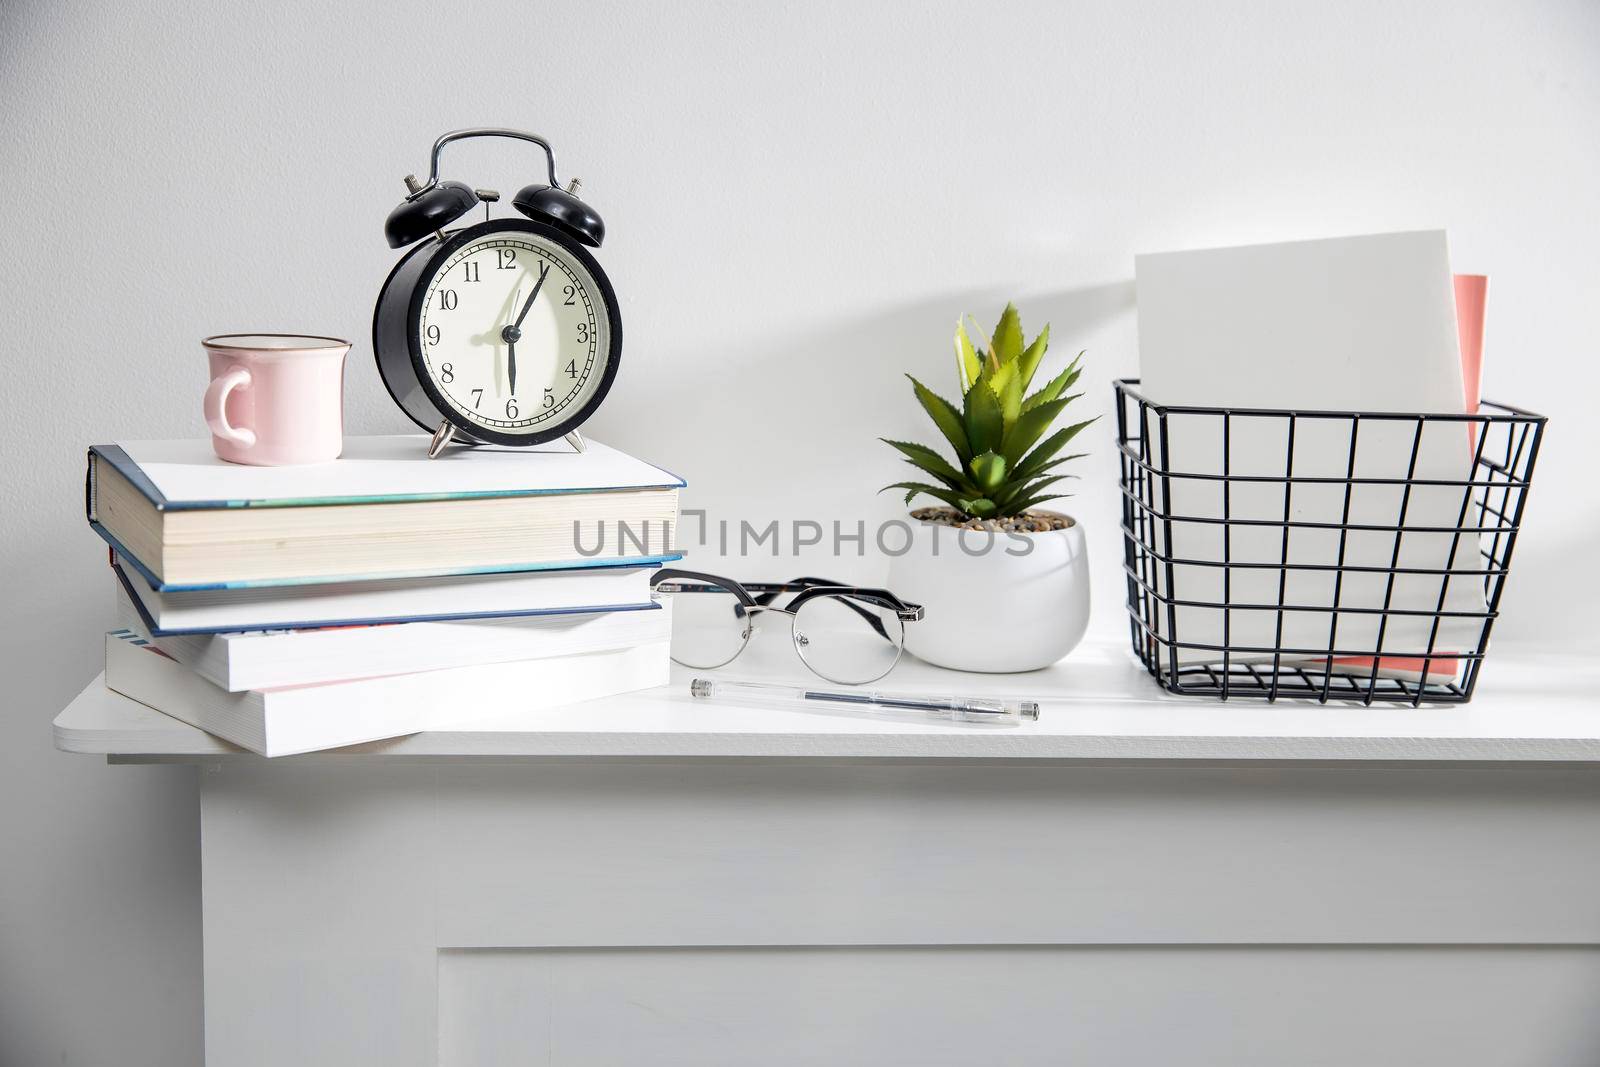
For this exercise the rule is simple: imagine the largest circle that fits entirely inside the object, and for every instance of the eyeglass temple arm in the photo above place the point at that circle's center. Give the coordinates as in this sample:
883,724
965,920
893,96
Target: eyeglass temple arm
795,585
901,607
743,601
667,574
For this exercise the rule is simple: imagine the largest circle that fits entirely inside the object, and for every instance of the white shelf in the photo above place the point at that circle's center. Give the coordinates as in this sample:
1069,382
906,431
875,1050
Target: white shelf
1098,705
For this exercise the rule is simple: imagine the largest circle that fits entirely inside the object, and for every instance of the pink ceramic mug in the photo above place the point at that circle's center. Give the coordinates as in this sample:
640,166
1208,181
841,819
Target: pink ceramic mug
276,399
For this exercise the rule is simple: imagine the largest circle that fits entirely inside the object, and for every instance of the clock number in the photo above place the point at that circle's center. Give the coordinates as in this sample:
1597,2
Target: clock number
549,398
477,399
433,335
571,291
583,333
447,373
469,271
506,258
511,409
572,368
448,300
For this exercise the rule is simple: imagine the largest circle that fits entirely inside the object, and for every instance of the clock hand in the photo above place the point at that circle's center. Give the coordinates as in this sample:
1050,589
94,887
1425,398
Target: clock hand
513,332
510,334
544,268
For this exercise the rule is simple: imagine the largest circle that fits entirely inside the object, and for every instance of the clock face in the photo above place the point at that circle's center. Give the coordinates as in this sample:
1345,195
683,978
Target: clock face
514,332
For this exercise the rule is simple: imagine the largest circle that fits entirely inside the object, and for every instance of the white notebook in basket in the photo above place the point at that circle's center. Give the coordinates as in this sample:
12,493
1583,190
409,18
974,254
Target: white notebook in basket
1348,324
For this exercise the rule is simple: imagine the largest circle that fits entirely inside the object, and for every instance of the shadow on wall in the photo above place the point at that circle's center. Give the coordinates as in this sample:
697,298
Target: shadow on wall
828,395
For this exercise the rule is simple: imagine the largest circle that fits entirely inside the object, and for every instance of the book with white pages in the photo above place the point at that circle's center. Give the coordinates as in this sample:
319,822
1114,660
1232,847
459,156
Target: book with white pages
187,520
281,722
268,659
582,590
1349,324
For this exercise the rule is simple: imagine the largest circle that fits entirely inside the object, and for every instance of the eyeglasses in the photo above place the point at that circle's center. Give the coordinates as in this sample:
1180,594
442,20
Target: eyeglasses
842,633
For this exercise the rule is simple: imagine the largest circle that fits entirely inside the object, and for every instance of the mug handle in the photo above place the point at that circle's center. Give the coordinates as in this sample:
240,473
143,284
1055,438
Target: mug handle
216,404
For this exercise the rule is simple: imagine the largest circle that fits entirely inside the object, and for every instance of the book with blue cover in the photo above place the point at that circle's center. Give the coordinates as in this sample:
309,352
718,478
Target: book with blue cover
187,521
450,598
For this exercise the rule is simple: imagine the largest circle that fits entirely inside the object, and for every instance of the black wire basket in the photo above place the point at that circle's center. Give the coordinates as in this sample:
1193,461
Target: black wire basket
1318,555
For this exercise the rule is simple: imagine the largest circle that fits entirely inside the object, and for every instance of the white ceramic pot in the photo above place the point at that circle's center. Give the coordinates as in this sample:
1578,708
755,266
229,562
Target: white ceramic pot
994,602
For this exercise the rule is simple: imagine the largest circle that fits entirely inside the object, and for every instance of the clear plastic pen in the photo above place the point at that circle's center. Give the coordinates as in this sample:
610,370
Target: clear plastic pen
948,708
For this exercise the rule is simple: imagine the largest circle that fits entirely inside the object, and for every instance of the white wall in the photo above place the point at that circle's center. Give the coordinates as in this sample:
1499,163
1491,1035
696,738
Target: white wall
800,201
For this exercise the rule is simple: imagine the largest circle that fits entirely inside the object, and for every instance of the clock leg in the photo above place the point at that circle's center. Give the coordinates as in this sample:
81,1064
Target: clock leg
575,439
441,437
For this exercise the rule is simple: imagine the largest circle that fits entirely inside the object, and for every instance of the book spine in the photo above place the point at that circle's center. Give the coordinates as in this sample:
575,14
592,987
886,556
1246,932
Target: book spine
88,490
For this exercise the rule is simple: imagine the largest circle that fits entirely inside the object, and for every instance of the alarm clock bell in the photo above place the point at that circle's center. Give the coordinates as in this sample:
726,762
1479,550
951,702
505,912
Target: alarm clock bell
430,208
427,211
563,210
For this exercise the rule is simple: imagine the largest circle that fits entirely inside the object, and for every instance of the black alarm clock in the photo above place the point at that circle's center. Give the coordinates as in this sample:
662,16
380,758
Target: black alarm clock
506,331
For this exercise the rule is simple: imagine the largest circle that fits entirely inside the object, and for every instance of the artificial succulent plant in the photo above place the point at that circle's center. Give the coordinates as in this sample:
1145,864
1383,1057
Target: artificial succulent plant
1002,467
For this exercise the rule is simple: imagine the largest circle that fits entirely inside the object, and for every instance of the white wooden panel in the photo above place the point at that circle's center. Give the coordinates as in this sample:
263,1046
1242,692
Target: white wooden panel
319,945
329,888
905,854
1227,1007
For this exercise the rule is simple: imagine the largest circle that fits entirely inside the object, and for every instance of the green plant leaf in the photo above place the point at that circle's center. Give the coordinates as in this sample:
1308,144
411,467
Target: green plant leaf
945,416
998,378
1055,387
969,396
1029,361
1001,377
913,488
990,471
967,363
980,340
927,459
1010,402
961,485
984,425
1030,425
981,507
1023,505
1027,490
1008,336
1034,461
1023,472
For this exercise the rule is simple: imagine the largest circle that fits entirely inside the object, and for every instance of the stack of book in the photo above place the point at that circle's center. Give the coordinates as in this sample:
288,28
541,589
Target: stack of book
290,609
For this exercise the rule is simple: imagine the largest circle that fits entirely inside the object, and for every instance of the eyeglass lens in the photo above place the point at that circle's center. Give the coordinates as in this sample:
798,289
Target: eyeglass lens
709,628
848,639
